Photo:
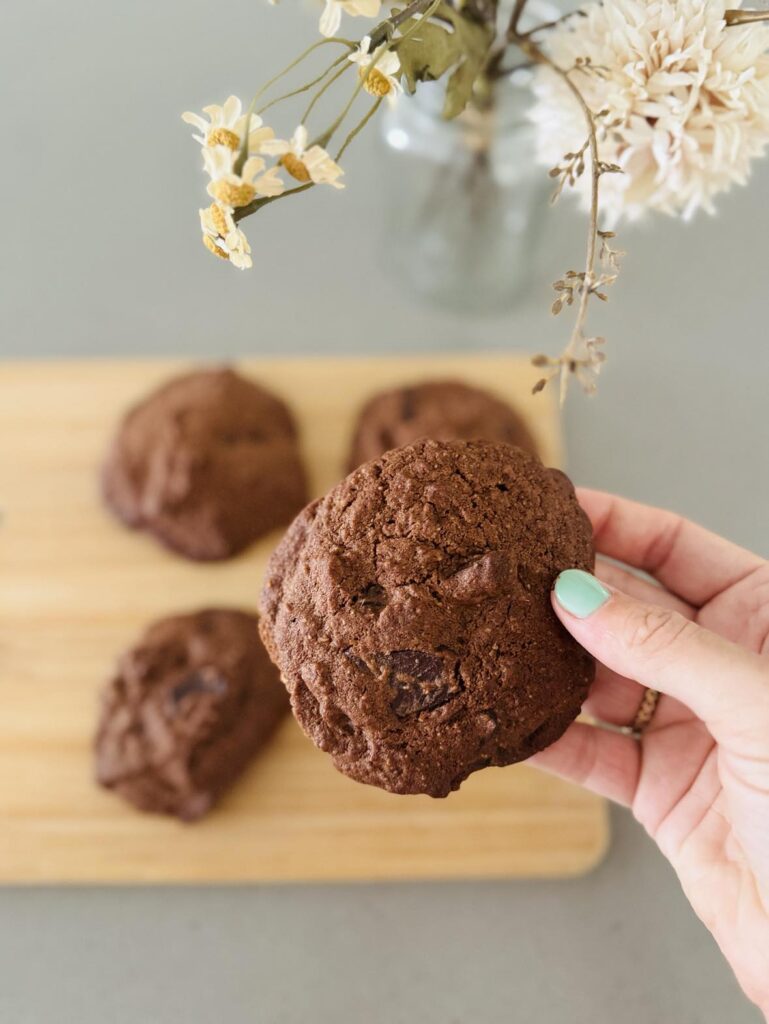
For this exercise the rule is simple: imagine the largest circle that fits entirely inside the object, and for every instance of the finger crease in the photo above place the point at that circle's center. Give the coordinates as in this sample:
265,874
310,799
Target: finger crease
695,777
660,549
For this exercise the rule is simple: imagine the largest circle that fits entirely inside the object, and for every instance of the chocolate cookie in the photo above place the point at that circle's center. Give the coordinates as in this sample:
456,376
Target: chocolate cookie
186,711
409,613
207,464
445,410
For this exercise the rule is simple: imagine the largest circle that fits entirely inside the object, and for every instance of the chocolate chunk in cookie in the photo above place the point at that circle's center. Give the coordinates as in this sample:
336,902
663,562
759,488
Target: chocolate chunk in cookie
445,410
208,463
187,709
409,613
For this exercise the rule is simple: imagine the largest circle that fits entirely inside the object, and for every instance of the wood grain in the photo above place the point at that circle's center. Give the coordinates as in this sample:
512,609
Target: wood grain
76,588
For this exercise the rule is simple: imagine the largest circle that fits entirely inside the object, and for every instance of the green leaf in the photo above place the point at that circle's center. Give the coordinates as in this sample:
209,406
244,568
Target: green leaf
427,54
459,88
433,49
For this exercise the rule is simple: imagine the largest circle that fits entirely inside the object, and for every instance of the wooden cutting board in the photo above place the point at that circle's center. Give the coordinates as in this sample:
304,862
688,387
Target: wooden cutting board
76,588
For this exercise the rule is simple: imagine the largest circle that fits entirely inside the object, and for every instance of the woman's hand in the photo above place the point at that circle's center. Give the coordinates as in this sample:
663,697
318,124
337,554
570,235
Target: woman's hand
697,777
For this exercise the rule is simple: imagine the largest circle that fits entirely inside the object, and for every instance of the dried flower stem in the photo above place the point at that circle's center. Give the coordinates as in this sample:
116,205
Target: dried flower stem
738,17
386,29
322,90
533,51
325,138
359,127
306,53
595,177
512,32
578,13
302,88
257,204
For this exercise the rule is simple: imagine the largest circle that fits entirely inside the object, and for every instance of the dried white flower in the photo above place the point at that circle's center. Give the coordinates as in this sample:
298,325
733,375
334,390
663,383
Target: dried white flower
331,18
232,189
382,80
226,124
303,163
223,237
683,101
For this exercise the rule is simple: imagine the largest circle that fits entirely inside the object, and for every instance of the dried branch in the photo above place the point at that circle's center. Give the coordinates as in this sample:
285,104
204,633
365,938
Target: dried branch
570,171
609,257
386,29
512,31
578,348
578,13
738,17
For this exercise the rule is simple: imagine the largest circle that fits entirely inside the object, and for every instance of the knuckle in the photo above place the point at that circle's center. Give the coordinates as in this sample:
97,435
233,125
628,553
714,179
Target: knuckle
757,610
656,630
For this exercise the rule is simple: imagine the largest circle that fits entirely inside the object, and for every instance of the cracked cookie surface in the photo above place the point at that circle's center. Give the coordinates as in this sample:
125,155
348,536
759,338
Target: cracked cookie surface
207,463
409,613
187,709
444,410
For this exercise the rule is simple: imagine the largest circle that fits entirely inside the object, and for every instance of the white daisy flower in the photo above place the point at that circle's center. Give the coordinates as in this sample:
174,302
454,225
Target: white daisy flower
382,80
687,101
237,190
303,164
223,237
225,126
331,18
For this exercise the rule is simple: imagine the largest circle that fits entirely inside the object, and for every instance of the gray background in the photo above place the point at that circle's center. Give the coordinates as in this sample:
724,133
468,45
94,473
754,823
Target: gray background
101,256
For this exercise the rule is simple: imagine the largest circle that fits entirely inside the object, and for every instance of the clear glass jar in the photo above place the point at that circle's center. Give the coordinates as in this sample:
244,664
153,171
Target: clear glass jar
464,198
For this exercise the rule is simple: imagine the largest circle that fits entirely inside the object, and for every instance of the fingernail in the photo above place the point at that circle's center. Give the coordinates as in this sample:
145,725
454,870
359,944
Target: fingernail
579,593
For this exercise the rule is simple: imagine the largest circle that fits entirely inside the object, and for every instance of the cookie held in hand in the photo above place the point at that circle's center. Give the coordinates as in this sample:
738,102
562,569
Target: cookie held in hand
207,464
409,613
187,709
444,410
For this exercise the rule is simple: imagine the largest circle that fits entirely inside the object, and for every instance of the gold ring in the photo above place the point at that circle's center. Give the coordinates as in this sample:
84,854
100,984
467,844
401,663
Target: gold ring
645,713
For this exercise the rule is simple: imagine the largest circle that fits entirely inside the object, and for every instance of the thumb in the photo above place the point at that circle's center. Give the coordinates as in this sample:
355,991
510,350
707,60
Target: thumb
723,684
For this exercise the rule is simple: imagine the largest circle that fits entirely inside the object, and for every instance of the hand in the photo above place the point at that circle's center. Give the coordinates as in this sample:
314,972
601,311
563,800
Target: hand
697,779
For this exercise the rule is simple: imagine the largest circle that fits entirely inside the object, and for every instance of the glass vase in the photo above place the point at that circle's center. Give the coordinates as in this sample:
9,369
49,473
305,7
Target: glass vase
464,198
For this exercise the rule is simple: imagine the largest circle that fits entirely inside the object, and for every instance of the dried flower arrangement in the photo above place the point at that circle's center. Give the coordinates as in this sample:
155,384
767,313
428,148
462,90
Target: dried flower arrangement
639,105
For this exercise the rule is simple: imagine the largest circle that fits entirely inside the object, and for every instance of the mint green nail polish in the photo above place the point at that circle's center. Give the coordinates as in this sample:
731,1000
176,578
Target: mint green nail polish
580,593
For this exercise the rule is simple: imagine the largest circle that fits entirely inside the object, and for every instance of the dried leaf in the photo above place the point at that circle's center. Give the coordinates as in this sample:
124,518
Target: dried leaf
435,49
459,87
427,54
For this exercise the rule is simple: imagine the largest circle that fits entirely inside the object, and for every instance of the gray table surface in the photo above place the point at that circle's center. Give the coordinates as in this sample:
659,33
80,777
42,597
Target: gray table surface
101,256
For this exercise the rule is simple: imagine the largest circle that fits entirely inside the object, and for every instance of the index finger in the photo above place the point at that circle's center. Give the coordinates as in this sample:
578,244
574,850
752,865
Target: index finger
689,560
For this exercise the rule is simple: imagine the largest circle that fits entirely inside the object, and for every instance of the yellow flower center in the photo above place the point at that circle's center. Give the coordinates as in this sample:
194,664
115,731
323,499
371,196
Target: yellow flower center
218,219
233,193
223,137
295,167
211,245
376,84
